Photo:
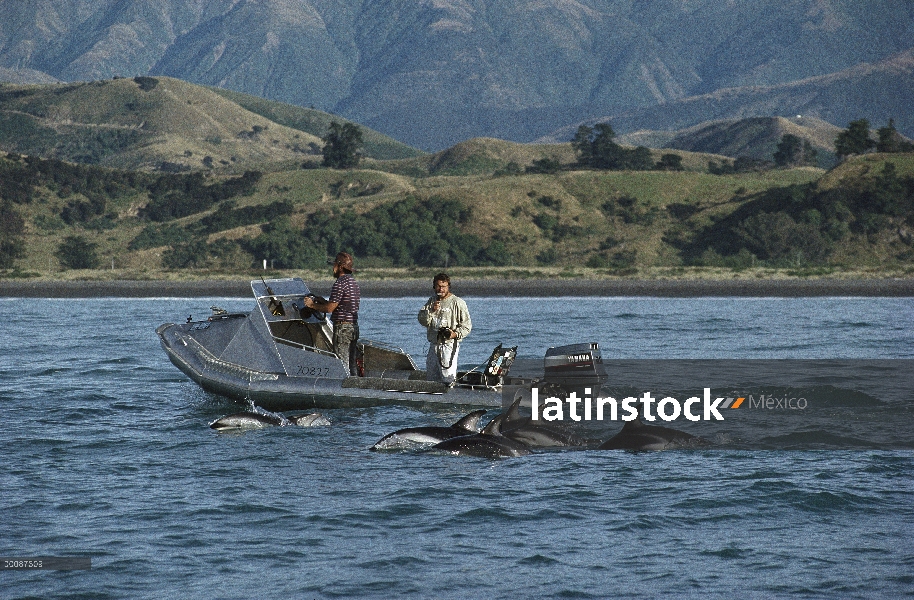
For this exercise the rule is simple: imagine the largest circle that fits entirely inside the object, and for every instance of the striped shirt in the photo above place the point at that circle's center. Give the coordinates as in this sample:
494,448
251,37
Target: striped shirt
345,292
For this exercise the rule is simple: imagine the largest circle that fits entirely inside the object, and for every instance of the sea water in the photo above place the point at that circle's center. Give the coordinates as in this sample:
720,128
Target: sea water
107,454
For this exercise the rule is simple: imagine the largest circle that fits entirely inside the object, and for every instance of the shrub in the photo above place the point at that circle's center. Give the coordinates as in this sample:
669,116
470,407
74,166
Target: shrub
682,211
547,256
228,217
669,162
545,166
777,236
198,254
179,196
155,236
75,252
146,83
405,233
546,222
342,145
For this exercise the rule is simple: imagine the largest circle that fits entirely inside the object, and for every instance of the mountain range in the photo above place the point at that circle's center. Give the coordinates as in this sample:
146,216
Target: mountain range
431,73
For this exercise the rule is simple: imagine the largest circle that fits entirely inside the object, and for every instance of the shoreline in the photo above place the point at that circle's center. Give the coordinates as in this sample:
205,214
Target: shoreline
396,288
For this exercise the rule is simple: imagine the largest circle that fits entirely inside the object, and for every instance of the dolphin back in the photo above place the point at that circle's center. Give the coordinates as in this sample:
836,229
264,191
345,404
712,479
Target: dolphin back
470,422
636,435
245,420
309,420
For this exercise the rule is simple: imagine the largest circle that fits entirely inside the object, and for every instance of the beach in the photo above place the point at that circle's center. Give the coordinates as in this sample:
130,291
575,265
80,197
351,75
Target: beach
393,288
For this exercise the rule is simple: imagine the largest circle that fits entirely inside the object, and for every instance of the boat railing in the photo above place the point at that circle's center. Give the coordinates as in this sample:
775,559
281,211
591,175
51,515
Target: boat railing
382,345
392,349
304,346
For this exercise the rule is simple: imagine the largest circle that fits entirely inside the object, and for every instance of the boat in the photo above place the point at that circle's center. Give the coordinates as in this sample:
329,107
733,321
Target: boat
279,357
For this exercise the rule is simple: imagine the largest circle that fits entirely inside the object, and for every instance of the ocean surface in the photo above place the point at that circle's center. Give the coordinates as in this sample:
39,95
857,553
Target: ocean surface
106,453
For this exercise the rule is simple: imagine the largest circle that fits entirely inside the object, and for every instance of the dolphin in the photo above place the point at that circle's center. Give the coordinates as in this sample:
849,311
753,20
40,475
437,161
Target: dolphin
489,443
430,435
536,434
309,420
255,420
635,435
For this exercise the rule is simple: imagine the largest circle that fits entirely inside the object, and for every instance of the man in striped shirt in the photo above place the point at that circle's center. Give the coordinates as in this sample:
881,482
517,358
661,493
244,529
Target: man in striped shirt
343,305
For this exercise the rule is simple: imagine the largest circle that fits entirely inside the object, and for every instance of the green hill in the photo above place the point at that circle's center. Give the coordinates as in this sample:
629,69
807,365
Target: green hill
756,137
316,122
487,156
859,215
160,123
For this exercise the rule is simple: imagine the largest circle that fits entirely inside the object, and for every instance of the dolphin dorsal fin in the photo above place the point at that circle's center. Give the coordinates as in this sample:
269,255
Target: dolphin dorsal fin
637,423
471,421
513,412
494,426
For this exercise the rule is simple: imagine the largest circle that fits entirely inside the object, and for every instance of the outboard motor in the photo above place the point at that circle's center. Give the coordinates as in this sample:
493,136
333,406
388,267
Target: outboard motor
575,367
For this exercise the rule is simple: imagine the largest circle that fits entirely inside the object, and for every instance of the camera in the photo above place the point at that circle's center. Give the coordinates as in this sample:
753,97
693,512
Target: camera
444,334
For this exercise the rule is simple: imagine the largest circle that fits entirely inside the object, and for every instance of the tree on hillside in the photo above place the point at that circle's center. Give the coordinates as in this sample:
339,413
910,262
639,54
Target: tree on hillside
637,159
544,165
605,153
891,141
75,252
341,146
855,139
669,162
596,148
582,142
792,151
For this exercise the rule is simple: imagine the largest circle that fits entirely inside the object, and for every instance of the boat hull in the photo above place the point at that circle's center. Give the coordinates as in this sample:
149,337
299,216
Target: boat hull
279,392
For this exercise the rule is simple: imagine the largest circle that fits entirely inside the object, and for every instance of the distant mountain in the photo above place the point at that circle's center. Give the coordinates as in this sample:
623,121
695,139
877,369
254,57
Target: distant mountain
165,123
877,92
432,73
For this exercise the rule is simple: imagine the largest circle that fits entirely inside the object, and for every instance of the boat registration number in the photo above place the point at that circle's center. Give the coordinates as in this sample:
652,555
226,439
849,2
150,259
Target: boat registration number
313,371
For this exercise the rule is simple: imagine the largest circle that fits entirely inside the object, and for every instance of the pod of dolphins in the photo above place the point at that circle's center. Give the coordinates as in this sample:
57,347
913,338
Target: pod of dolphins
256,420
509,434
506,435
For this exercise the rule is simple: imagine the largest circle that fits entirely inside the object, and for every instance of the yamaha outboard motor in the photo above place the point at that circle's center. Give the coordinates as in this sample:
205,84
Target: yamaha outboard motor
575,367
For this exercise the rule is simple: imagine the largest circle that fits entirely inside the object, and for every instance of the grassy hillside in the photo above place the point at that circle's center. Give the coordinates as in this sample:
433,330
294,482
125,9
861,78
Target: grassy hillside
152,123
758,137
316,122
613,223
487,156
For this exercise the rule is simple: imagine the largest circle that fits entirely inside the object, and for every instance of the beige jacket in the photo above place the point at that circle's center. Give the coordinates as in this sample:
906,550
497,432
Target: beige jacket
452,314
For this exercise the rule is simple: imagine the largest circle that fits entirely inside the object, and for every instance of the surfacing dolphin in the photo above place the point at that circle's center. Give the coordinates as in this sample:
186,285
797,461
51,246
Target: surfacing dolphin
254,420
429,435
536,434
488,443
635,435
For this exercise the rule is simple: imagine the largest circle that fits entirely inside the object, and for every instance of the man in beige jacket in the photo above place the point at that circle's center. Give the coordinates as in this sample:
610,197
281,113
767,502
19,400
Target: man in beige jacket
447,320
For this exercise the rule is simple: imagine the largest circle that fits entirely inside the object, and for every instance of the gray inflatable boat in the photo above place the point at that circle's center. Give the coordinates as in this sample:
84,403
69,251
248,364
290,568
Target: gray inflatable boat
279,356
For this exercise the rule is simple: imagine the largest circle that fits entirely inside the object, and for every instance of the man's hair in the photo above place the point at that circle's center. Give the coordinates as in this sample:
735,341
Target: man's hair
441,277
344,260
